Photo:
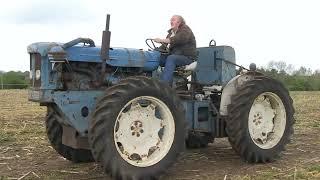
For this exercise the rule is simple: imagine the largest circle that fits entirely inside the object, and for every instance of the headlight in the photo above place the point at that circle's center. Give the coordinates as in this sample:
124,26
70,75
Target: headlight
30,75
38,74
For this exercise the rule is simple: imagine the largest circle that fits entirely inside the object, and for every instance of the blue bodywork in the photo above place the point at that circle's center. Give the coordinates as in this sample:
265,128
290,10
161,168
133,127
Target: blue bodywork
214,65
119,57
195,112
212,69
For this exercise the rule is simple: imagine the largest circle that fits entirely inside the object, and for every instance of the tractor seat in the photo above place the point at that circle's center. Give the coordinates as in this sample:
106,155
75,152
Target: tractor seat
186,70
189,67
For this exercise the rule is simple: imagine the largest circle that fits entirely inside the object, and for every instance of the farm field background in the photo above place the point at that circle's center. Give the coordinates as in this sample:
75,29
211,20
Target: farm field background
25,152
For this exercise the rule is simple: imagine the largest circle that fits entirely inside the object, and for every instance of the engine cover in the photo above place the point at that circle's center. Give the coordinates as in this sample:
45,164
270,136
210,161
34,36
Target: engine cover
119,57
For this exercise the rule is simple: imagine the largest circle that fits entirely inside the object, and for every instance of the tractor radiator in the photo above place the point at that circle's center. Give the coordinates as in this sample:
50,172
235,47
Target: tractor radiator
35,71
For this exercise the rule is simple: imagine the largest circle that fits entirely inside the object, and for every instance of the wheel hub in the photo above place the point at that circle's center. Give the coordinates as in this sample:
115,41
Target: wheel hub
144,131
267,120
263,123
136,128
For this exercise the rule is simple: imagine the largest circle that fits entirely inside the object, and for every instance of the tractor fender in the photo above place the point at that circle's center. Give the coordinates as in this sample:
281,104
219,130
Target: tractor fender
231,88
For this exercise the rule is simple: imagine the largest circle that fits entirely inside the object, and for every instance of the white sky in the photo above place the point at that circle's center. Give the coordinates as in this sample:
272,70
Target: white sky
259,30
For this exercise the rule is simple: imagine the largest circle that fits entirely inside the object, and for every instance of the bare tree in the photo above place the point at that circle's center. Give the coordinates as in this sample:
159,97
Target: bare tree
290,69
280,66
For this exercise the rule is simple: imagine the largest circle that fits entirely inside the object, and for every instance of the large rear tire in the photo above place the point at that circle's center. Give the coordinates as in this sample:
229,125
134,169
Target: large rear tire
137,129
260,121
54,133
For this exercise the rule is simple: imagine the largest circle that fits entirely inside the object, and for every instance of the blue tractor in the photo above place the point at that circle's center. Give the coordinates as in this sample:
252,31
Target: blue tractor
107,105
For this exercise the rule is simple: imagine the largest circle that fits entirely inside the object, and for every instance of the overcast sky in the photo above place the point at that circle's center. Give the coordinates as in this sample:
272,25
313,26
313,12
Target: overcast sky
260,31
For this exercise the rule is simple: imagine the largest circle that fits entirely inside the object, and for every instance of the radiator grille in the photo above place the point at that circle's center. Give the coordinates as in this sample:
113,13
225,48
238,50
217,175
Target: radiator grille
35,71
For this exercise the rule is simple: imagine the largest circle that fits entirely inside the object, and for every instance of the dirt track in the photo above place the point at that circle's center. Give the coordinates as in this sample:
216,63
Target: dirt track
24,149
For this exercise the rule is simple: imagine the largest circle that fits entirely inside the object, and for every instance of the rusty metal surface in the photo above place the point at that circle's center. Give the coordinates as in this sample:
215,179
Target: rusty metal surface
71,139
41,47
35,64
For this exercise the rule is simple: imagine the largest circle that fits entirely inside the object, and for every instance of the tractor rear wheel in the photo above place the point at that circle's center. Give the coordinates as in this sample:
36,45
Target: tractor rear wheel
260,121
54,133
137,129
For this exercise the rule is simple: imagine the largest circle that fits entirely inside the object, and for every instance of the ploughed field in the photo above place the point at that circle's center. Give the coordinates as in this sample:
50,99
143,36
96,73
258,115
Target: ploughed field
25,152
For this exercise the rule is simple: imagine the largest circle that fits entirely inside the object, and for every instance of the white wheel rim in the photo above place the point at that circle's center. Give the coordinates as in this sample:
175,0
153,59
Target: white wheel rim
267,120
144,131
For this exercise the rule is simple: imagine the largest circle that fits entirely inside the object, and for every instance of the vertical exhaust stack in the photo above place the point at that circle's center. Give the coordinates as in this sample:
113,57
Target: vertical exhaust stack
105,46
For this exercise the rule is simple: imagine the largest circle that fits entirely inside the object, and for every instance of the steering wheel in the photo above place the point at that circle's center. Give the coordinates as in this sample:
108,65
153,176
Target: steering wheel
155,48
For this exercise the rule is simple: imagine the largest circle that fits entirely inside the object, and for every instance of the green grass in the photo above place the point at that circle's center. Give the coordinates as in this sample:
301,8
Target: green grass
6,137
314,168
3,178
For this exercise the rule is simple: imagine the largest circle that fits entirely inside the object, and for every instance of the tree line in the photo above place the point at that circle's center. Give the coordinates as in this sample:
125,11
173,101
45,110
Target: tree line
302,79
14,80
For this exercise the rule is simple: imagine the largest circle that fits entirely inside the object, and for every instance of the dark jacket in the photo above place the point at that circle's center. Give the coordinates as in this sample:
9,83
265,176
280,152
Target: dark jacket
183,43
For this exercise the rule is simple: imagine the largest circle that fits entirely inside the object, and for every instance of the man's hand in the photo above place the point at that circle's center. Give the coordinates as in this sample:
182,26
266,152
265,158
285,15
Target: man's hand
158,40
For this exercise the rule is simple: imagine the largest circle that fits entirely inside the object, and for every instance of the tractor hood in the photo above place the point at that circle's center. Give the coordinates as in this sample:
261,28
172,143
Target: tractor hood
118,57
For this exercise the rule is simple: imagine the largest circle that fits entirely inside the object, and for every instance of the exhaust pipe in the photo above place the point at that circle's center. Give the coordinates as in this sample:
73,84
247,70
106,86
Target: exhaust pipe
105,46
